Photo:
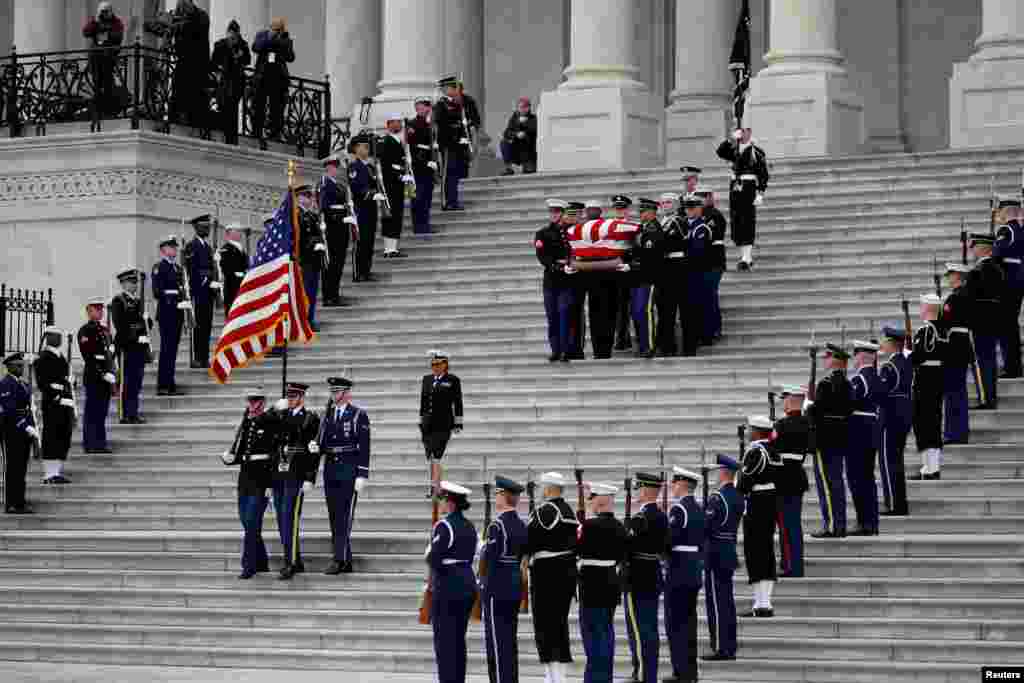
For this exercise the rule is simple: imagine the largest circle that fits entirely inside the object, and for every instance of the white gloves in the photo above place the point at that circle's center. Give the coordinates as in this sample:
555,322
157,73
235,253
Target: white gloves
408,178
350,220
307,486
109,378
432,165
759,199
216,284
906,353
319,247
360,484
737,134
623,268
32,431
463,141
227,458
281,404
520,135
185,305
807,404
67,403
143,340
436,146
568,270
314,447
379,197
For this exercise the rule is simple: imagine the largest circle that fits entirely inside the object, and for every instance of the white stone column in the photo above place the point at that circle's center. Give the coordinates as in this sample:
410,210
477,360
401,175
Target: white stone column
802,103
40,25
252,16
413,55
352,47
205,4
700,113
986,93
602,116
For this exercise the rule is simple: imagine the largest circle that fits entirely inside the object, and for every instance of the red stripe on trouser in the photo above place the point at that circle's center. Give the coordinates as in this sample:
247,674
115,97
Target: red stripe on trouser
787,548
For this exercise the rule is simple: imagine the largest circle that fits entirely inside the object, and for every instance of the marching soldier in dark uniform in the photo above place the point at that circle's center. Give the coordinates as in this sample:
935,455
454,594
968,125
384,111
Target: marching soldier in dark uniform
578,281
501,590
794,439
831,411
312,250
670,290
131,339
714,219
620,207
956,320
344,445
274,50
18,431
552,549
171,306
56,405
700,261
724,513
440,411
197,257
897,375
294,467
644,583
603,545
645,266
333,198
251,451
552,247
930,348
864,438
457,119
97,349
746,193
391,156
684,575
450,556
234,263
760,469
365,195
422,147
1009,251
986,285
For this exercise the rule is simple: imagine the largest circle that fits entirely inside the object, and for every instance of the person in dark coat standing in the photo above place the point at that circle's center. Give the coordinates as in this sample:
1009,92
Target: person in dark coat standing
197,257
172,305
131,341
391,157
234,263
18,431
362,184
519,141
930,349
105,33
56,405
274,51
756,482
334,209
191,34
830,411
552,247
986,289
440,411
458,119
1009,251
794,439
644,582
312,249
230,57
714,219
725,510
420,135
864,436
746,193
897,376
956,320
684,575
97,351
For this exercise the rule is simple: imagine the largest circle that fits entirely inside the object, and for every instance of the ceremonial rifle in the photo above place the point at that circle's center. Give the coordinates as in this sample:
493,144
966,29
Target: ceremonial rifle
72,380
427,600
581,511
482,569
187,296
963,242
908,328
664,477
627,519
355,220
524,565
146,319
740,436
936,278
992,204
771,406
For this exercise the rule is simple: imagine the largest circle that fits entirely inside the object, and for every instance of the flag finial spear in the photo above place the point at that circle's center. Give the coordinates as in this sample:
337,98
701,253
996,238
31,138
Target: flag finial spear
291,173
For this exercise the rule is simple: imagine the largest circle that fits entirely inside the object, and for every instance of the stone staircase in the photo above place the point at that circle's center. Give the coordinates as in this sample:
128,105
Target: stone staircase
135,562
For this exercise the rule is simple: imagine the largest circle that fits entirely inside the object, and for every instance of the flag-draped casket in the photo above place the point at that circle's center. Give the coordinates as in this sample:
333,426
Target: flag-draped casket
602,240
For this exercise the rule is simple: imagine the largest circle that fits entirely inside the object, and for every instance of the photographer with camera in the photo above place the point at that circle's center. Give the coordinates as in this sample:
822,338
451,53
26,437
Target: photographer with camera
105,32
274,50
230,57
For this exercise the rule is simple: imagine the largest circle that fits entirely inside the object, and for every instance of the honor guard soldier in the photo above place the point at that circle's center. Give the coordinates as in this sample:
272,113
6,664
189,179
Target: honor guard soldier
700,261
19,433
794,439
746,192
714,219
197,257
234,263
440,411
577,319
670,290
644,583
501,590
172,304
251,451
724,513
691,177
344,446
1009,251
131,339
684,575
98,377
312,249
956,312
620,206
552,533
864,437
592,209
457,119
831,411
56,405
419,134
760,468
552,247
645,266
391,156
362,184
896,374
986,284
450,557
603,544
333,197
294,468
929,350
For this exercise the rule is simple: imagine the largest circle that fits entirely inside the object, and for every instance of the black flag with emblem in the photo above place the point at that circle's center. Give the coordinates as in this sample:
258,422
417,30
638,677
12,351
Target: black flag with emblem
739,63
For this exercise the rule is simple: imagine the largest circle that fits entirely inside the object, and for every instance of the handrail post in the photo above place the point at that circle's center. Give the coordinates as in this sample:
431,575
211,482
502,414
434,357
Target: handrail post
325,122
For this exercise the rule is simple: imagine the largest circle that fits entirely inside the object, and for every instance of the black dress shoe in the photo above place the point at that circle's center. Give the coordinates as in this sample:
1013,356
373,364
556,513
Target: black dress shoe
742,266
126,421
934,476
299,567
861,531
286,573
719,657
565,358
1010,375
346,568
553,357
826,534
163,392
333,569
247,574
175,392
139,420
764,613
105,450
399,254
623,345
749,614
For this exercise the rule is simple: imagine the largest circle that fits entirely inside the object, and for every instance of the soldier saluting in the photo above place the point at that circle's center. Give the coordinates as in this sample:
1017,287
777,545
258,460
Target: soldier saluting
56,403
131,339
98,377
746,192
648,534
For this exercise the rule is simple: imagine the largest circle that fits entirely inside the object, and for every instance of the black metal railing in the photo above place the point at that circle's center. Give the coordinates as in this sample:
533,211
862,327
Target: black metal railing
137,83
341,131
24,314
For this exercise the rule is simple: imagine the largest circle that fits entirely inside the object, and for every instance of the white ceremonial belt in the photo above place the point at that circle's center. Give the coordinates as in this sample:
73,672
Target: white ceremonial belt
453,561
864,413
746,176
685,549
646,556
239,274
718,243
763,487
932,362
258,456
171,291
101,356
597,563
545,554
791,456
676,254
338,207
961,330
1011,260
423,146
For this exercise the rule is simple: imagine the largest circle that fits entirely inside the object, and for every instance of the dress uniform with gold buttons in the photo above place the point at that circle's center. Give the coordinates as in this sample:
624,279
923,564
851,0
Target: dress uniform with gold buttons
96,347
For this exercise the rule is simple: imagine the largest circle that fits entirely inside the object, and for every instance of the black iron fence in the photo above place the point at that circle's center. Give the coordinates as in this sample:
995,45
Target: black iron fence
24,314
137,83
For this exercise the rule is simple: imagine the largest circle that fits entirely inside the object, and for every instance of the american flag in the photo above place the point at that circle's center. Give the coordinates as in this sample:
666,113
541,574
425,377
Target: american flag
602,238
271,305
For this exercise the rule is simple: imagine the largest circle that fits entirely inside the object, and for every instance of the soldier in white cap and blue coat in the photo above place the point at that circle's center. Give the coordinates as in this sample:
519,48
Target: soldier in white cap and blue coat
684,575
18,431
865,434
724,513
172,301
896,374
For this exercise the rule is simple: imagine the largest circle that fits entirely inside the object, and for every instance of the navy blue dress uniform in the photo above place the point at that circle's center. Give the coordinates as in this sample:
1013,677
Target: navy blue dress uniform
450,555
18,431
865,434
929,352
131,340
312,253
986,285
684,576
362,184
794,439
501,590
759,472
197,257
552,248
56,404
645,263
725,510
419,134
454,139
344,445
715,220
391,156
700,261
956,321
831,411
644,582
333,197
603,544
897,375
171,301
252,451
749,182
670,290
234,263
440,409
551,546
98,378
1009,251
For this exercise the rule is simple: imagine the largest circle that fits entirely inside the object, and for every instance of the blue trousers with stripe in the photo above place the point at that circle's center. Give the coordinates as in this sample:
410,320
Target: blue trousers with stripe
642,632
985,347
254,552
895,429
421,203
721,609
501,625
450,621
598,631
94,418
713,280
133,363
791,534
341,500
681,630
641,307
558,309
828,475
288,508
